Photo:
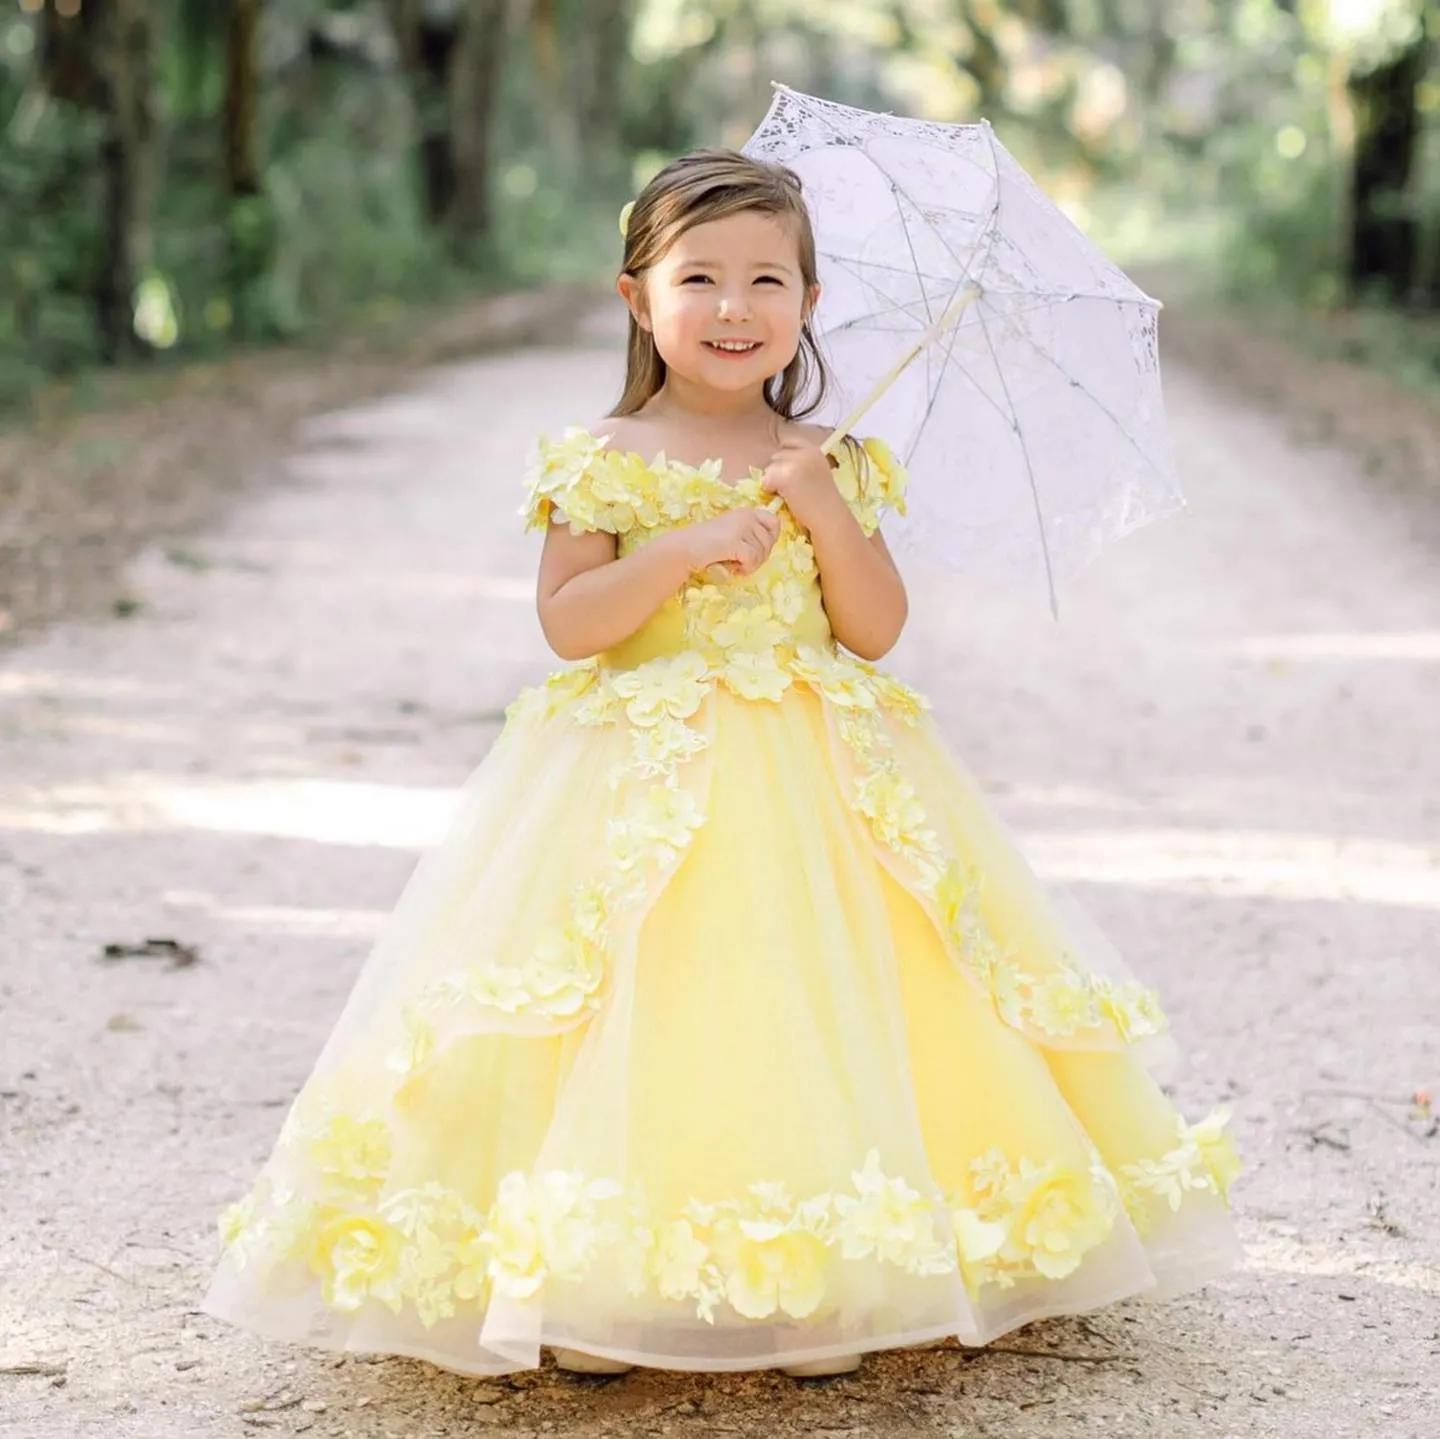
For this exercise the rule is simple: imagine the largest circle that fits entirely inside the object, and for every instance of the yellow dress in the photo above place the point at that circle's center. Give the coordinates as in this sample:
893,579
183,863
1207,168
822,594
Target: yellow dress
727,1028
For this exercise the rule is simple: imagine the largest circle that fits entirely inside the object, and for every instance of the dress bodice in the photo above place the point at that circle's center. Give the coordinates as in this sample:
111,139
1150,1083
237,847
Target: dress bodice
755,625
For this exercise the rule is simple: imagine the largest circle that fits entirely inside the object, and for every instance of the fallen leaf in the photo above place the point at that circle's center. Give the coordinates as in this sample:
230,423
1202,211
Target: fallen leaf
181,956
33,1367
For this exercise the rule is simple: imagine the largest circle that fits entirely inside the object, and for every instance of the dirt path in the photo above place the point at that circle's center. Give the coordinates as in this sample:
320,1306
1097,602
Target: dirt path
1229,748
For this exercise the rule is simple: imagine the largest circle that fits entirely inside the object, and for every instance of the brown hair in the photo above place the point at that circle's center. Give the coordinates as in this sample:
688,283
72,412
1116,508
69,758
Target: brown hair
693,190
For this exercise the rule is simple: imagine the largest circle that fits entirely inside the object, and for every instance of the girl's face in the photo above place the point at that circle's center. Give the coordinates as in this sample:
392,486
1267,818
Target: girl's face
726,302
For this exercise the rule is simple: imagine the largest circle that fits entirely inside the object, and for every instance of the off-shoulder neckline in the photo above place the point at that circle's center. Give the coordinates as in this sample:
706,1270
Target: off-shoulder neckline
710,470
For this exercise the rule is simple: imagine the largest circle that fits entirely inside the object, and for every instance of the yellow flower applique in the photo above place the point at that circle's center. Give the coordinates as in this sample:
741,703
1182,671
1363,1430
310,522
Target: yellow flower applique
756,675
678,490
472,1266
871,480
899,699
977,1243
556,479
787,596
956,895
657,830
889,801
887,477
543,1227
1133,1009
753,628
839,679
863,734
1217,1150
657,750
357,1257
570,687
1062,1004
623,489
797,555
673,687
1203,1161
436,1225
890,1220
678,1260
1057,1218
352,1155
564,975
772,1253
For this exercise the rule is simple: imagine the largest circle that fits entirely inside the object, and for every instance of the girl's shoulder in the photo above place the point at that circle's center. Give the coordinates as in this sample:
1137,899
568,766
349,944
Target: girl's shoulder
559,477
869,474
603,477
579,446
620,434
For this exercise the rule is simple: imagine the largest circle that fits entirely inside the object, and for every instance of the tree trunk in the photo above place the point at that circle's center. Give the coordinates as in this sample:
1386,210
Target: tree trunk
250,223
606,58
101,57
125,60
426,49
1384,229
242,98
474,96
453,62
68,56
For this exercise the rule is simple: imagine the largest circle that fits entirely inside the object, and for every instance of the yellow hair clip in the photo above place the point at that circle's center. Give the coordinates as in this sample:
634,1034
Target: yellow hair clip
625,215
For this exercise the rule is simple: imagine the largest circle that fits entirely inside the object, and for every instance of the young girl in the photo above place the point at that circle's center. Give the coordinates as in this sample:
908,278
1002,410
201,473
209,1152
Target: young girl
727,1029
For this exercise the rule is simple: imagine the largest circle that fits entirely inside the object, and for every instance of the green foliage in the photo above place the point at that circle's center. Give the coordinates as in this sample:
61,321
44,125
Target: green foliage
1216,131
48,241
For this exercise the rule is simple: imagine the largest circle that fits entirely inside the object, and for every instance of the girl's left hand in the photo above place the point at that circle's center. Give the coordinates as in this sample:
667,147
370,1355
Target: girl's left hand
801,474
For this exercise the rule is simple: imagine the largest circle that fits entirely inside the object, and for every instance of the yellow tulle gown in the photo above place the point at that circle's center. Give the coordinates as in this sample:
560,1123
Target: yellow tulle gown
727,1027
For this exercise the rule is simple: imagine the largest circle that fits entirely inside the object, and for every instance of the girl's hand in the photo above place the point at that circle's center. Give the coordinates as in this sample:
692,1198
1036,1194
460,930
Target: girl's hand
801,474
741,540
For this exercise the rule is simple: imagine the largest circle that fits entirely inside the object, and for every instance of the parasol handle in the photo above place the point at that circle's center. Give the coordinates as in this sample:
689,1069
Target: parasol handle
958,306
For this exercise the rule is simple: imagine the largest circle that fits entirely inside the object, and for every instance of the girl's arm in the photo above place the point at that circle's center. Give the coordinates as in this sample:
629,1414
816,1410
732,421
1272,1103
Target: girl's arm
589,600
864,595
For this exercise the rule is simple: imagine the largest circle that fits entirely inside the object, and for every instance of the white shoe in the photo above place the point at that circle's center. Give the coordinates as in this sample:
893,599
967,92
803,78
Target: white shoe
823,1368
576,1361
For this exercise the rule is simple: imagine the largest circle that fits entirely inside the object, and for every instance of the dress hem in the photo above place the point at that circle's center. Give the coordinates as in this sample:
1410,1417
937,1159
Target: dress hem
1172,1283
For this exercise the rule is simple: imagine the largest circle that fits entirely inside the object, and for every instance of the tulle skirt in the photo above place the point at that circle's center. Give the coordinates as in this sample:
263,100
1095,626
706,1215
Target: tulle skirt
723,1033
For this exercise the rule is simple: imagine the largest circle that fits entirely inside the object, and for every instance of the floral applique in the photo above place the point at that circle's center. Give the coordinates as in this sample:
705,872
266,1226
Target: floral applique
1052,1216
763,1253
1203,1161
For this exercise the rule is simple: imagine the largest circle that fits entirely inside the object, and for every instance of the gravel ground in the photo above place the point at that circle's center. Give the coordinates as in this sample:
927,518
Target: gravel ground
1228,749
105,465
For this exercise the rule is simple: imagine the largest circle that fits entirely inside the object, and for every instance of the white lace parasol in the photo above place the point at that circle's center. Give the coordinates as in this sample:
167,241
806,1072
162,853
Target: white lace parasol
1012,366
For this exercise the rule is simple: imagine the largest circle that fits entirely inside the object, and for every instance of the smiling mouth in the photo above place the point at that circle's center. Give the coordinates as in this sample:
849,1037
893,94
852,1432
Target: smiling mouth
733,347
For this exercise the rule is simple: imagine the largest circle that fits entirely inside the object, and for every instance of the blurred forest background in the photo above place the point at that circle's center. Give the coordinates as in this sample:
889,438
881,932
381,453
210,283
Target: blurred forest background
179,177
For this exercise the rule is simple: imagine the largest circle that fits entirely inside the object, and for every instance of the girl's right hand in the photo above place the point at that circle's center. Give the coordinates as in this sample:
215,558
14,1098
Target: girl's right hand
741,540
